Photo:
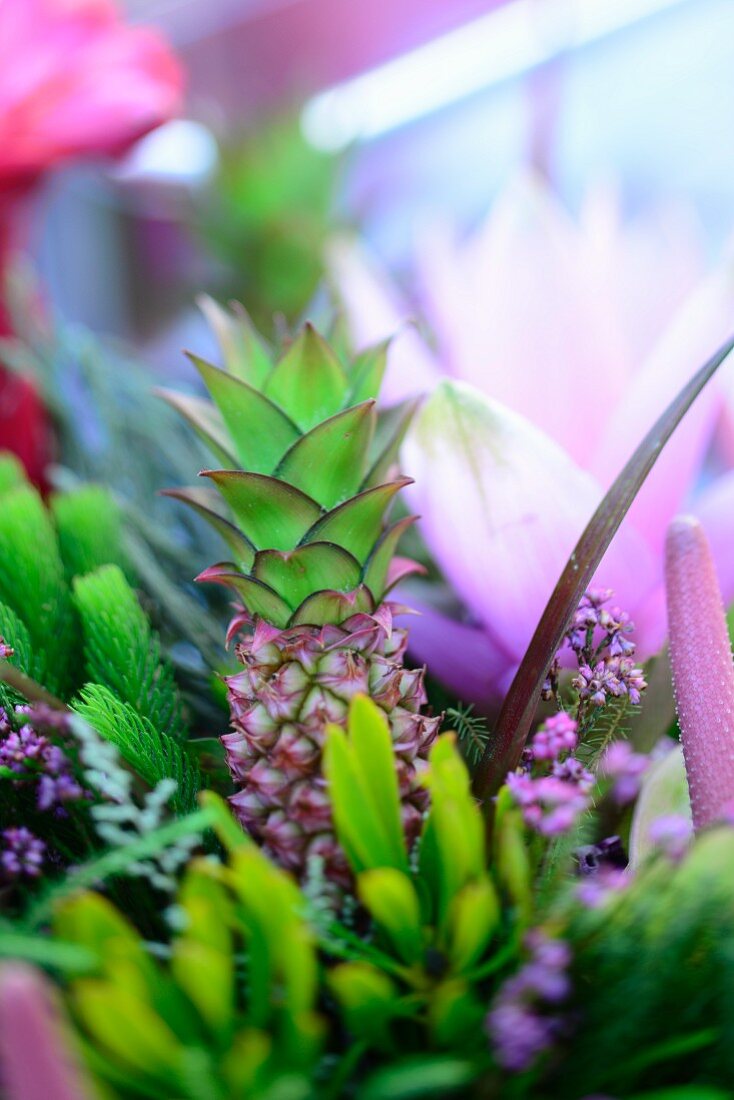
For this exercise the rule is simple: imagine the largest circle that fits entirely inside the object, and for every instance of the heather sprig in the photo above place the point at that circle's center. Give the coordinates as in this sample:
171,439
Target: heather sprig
598,639
526,1018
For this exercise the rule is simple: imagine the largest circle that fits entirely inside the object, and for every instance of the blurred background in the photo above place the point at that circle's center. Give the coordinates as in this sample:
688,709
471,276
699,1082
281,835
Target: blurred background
305,115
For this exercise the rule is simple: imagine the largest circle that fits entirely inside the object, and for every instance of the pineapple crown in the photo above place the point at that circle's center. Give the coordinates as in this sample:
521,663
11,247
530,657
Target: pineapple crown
306,474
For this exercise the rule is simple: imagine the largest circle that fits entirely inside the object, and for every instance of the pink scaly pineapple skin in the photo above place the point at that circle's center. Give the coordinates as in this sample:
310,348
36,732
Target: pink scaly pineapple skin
703,672
293,684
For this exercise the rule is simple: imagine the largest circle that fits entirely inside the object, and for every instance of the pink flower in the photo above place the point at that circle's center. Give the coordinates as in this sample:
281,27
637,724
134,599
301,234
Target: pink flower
562,342
76,81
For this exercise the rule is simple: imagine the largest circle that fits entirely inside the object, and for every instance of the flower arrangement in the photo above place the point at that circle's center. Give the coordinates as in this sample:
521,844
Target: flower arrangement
299,869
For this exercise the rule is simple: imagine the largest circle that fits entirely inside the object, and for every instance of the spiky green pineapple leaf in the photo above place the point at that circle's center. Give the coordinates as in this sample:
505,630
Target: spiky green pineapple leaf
298,574
333,607
377,569
261,432
244,351
123,652
272,514
258,598
393,426
206,420
357,523
367,372
89,527
309,382
329,462
204,504
12,473
153,754
33,585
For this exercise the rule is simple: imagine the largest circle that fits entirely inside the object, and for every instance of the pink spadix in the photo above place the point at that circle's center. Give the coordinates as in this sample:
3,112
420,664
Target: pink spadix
703,673
35,1063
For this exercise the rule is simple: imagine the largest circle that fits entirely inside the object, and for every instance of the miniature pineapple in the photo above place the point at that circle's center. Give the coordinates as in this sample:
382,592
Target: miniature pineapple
307,487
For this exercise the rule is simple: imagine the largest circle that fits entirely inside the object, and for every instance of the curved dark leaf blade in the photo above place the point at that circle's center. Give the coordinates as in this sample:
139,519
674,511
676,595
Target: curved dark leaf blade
503,751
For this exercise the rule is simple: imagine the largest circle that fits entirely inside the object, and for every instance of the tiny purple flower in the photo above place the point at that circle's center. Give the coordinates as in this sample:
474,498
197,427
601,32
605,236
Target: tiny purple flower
23,854
594,889
557,735
672,834
519,1023
626,768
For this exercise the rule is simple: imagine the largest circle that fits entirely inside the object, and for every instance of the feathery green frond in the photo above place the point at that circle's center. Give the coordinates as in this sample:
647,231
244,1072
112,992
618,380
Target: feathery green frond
33,584
154,755
89,527
123,652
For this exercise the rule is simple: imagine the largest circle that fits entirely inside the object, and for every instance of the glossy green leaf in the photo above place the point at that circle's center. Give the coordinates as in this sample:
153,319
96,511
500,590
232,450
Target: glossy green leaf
332,607
378,564
297,574
261,433
391,900
360,767
272,514
394,425
309,382
206,421
207,978
518,709
473,917
201,501
257,597
357,524
367,372
419,1078
329,462
452,850
367,998
127,1028
245,352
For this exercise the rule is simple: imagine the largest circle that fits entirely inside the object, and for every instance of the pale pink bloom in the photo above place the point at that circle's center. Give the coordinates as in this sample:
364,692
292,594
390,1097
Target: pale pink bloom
75,80
562,341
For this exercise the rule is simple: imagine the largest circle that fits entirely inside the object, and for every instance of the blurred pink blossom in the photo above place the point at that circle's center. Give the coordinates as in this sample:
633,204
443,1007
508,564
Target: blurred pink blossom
559,342
75,80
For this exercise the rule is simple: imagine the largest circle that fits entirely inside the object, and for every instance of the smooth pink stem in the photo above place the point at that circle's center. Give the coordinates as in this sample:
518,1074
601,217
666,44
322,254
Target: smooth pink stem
703,672
35,1063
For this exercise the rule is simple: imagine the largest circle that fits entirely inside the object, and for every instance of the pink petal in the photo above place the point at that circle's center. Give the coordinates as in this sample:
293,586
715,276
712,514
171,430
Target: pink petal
703,324
518,315
76,80
466,660
501,508
646,268
715,509
375,312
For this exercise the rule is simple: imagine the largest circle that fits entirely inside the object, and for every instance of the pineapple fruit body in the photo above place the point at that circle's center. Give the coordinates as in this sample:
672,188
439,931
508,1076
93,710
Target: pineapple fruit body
309,478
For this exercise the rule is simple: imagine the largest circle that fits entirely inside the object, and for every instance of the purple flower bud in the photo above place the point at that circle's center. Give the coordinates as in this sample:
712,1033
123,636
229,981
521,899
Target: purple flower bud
672,834
626,767
22,853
